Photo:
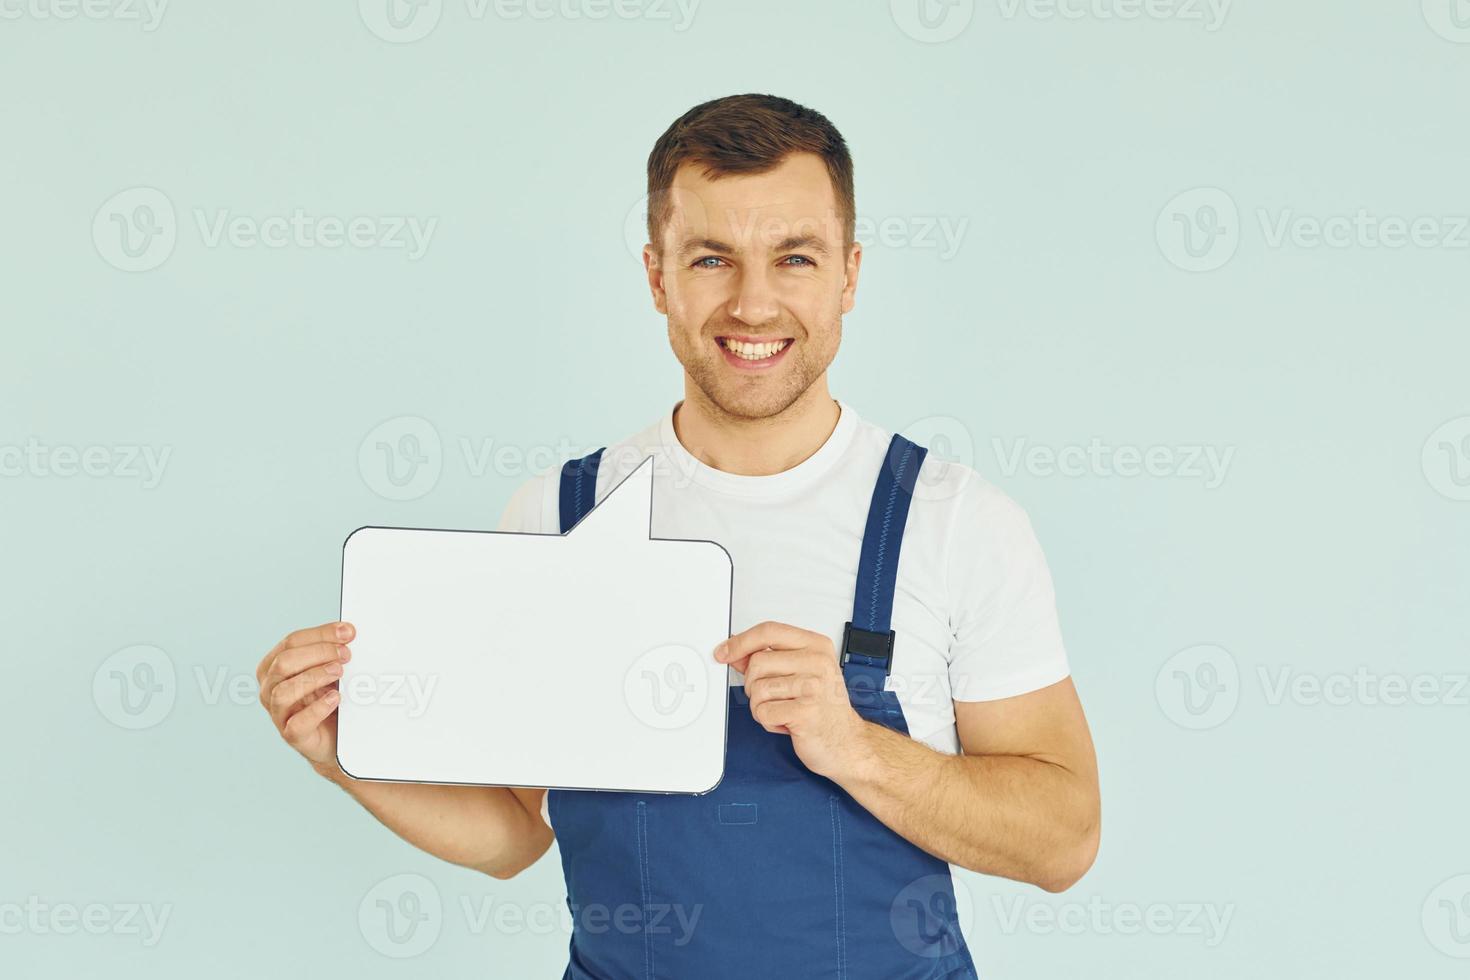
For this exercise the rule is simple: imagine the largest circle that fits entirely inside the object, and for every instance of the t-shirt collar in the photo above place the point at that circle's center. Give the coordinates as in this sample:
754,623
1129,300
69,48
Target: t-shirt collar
802,475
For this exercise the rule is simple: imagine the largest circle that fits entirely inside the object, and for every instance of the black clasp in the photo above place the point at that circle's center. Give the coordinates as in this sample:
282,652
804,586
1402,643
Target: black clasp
867,647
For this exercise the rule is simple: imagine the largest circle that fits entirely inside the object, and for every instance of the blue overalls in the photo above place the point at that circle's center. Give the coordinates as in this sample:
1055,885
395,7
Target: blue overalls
777,872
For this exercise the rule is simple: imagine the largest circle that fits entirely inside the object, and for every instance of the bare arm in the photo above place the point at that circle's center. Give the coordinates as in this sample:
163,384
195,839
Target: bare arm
497,830
494,829
1021,802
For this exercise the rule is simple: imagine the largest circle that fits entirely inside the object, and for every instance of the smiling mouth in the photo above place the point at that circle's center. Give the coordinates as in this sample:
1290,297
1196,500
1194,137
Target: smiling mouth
751,351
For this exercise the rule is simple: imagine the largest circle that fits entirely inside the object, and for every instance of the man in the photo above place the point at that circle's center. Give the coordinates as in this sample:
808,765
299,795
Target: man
888,718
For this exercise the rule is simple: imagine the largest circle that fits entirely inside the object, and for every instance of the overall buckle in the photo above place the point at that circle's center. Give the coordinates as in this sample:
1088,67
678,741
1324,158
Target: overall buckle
867,647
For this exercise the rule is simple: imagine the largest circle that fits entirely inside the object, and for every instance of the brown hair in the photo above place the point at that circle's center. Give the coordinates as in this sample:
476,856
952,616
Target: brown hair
746,134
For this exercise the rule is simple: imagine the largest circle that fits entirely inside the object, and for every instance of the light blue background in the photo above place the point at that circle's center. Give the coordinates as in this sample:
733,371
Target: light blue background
1327,833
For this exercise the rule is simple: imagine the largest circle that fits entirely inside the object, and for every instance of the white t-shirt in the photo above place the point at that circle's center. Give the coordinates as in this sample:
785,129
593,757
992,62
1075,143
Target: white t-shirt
974,612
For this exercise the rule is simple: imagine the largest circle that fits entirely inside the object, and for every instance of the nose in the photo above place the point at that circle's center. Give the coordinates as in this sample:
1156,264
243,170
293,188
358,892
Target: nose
754,302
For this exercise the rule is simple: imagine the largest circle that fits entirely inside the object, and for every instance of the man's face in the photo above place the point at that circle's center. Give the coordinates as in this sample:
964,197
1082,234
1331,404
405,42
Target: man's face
754,281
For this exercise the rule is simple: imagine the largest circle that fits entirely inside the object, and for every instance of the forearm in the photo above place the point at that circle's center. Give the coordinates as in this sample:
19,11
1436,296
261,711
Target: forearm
485,828
1019,817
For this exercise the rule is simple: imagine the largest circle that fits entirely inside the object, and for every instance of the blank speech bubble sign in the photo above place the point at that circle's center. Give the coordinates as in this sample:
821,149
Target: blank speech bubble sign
582,660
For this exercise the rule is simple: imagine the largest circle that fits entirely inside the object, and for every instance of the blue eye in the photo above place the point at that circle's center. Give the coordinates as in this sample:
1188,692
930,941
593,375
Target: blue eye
699,263
803,258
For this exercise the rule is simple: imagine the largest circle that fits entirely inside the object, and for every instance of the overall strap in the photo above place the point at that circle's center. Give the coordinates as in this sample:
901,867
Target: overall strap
867,640
578,490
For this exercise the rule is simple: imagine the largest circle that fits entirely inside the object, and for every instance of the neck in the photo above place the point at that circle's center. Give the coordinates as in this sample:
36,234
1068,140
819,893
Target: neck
755,447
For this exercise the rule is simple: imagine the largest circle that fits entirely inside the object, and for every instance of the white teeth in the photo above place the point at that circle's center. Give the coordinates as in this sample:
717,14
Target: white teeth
754,352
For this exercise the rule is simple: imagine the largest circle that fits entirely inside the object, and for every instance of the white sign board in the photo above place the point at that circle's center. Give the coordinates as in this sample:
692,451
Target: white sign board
582,660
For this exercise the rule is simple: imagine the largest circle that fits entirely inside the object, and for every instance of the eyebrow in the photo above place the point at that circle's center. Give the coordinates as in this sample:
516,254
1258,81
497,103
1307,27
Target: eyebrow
811,243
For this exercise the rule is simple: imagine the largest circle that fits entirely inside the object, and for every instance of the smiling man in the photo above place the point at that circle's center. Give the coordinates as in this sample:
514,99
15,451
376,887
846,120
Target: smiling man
900,699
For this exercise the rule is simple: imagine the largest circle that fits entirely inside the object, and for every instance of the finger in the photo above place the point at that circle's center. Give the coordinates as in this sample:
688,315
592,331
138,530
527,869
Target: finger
295,661
768,663
779,636
308,719
287,695
267,660
333,632
775,716
771,689
803,688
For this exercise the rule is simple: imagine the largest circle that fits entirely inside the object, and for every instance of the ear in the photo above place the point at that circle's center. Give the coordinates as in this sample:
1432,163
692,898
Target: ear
850,280
653,266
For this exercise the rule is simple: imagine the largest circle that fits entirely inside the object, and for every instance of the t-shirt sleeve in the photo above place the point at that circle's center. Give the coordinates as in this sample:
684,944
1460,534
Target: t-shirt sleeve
1007,639
527,509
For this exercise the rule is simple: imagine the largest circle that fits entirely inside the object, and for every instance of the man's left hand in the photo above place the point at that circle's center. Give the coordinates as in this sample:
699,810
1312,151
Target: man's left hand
796,688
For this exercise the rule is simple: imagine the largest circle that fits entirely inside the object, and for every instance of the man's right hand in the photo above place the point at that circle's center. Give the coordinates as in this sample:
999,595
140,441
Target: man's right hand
298,687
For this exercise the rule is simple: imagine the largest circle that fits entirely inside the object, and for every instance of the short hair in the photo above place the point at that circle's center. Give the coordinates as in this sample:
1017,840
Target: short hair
746,134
